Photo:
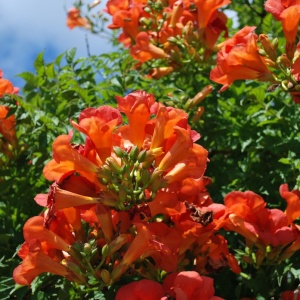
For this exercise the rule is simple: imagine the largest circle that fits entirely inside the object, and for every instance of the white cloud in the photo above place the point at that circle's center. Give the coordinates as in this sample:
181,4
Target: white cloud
31,26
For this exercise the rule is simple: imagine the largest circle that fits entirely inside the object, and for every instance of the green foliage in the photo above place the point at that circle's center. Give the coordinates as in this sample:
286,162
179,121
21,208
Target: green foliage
252,136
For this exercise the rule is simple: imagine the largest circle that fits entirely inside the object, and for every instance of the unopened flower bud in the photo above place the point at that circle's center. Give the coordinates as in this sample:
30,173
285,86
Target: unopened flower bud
105,276
268,47
157,73
145,177
176,13
71,266
113,164
119,151
198,114
156,182
75,274
87,249
105,250
199,97
142,156
134,153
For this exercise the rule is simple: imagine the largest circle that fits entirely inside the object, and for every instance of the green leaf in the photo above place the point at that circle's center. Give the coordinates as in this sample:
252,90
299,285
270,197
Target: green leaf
39,61
285,161
29,77
70,54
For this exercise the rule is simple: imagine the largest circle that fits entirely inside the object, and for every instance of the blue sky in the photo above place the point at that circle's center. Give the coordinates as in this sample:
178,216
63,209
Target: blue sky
31,26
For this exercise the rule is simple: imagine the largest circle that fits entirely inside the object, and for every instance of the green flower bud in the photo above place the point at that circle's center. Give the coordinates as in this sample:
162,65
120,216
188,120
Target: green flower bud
119,151
105,276
134,153
87,249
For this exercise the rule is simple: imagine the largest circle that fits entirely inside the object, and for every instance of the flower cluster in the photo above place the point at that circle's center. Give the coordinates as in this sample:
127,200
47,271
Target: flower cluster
174,31
130,203
249,56
271,235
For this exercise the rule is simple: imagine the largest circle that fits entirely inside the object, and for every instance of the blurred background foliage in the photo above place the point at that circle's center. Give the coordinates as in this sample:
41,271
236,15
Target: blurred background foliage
252,135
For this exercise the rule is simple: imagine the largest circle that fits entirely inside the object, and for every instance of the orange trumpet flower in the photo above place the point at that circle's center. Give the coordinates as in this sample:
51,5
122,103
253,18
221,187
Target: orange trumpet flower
35,263
288,12
239,59
74,19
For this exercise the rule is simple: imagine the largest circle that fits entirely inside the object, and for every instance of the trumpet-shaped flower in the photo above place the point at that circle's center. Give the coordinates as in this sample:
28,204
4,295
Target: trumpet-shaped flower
248,216
239,59
288,12
74,19
34,229
35,263
137,108
98,124
67,160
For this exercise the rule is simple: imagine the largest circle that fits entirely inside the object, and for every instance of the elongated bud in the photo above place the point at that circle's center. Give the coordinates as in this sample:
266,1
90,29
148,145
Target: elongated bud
117,243
117,272
156,175
113,164
119,151
87,249
145,177
76,273
268,47
105,276
157,73
188,31
142,156
176,13
134,153
199,97
105,250
198,114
